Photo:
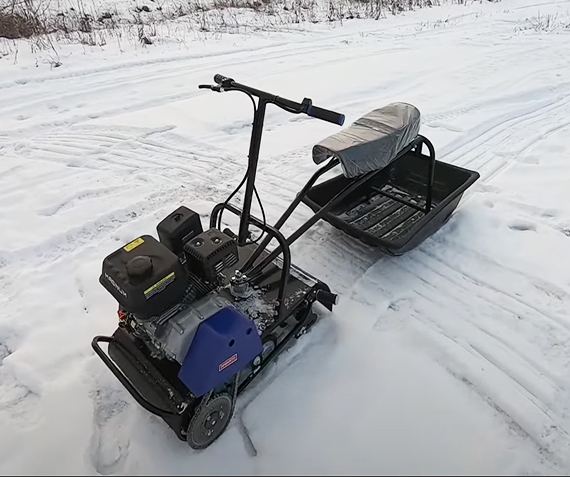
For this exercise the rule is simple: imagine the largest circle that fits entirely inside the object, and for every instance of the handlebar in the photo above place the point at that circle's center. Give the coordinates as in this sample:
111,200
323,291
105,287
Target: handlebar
224,83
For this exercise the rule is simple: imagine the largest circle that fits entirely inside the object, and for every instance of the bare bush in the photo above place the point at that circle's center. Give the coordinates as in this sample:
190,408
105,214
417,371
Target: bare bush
20,19
545,23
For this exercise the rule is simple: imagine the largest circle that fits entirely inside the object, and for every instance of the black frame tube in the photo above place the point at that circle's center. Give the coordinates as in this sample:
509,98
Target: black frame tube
253,158
417,143
431,170
341,195
310,222
124,380
263,245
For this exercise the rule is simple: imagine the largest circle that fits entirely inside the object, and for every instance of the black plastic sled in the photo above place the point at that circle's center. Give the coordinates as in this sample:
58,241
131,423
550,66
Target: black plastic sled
399,206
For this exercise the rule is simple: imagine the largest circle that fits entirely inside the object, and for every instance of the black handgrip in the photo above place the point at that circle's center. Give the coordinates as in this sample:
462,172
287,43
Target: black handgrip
327,298
223,80
326,115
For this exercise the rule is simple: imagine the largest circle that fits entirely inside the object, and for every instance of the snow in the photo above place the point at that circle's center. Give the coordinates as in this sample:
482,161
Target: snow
452,359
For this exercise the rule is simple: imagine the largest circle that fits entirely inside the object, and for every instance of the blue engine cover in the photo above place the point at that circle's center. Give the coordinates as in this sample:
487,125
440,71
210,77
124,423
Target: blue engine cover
224,344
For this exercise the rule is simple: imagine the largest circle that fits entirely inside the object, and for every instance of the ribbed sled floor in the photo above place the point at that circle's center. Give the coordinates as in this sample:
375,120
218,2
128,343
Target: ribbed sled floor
384,217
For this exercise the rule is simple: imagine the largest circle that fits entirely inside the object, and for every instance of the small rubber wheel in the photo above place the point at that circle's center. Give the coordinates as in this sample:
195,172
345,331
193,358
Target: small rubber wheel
210,421
269,344
310,320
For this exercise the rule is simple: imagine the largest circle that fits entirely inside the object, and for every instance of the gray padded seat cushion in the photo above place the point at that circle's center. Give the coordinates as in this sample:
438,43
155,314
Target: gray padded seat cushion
373,141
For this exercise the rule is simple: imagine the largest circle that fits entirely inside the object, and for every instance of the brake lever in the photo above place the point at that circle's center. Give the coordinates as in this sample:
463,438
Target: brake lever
216,88
306,104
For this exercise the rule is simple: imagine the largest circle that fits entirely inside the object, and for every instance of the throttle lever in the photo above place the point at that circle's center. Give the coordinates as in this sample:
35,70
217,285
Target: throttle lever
223,80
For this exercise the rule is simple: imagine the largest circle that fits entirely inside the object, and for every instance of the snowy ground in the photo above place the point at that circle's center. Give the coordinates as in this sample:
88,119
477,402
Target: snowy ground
451,359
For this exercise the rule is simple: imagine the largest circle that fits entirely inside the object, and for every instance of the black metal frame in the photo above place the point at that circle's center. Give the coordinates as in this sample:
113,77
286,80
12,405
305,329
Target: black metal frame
417,143
264,98
250,268
165,414
255,270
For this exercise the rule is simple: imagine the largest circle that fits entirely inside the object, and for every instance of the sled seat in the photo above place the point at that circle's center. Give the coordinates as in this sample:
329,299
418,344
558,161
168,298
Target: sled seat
373,141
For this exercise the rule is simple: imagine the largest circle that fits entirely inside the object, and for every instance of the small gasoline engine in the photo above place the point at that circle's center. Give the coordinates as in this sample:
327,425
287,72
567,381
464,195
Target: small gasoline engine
193,330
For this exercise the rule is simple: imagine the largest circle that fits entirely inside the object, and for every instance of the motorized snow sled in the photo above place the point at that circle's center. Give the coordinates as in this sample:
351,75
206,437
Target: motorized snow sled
202,311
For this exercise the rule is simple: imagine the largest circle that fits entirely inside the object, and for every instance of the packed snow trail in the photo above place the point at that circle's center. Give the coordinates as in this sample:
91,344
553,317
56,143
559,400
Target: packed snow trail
451,359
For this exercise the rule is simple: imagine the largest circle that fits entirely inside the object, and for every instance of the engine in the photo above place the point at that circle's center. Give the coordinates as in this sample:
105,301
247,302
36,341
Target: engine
168,294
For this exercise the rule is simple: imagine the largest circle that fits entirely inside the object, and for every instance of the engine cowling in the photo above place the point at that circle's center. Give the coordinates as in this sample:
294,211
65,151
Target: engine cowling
210,339
223,345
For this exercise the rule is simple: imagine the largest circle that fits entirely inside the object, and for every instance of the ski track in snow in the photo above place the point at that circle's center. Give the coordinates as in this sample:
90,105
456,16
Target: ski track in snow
93,156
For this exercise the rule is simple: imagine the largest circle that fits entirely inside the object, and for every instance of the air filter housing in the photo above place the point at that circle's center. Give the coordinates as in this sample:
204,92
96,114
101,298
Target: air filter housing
210,253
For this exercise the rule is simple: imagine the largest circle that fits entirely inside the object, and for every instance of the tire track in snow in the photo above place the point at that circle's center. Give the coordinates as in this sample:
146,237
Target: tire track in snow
132,81
106,85
525,388
123,150
72,200
495,129
465,337
498,302
126,149
262,51
541,4
517,382
177,70
561,324
477,150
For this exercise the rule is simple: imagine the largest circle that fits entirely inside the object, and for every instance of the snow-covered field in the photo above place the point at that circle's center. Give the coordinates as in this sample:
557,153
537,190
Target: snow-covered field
454,358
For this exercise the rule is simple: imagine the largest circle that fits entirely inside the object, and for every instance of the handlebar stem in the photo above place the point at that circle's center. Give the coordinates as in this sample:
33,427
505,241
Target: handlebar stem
228,84
253,158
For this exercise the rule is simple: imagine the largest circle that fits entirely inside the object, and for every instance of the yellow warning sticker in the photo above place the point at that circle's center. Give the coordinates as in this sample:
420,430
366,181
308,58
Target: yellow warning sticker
159,286
133,244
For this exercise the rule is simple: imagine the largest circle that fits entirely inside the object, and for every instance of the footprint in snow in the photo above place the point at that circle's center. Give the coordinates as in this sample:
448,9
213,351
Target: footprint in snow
530,159
394,316
5,351
108,450
522,226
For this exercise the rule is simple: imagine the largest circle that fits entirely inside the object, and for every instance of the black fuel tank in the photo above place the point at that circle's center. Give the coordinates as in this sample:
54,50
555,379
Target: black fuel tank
145,277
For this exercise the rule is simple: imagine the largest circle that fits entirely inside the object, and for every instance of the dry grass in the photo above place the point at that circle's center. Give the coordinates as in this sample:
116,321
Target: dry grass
86,22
